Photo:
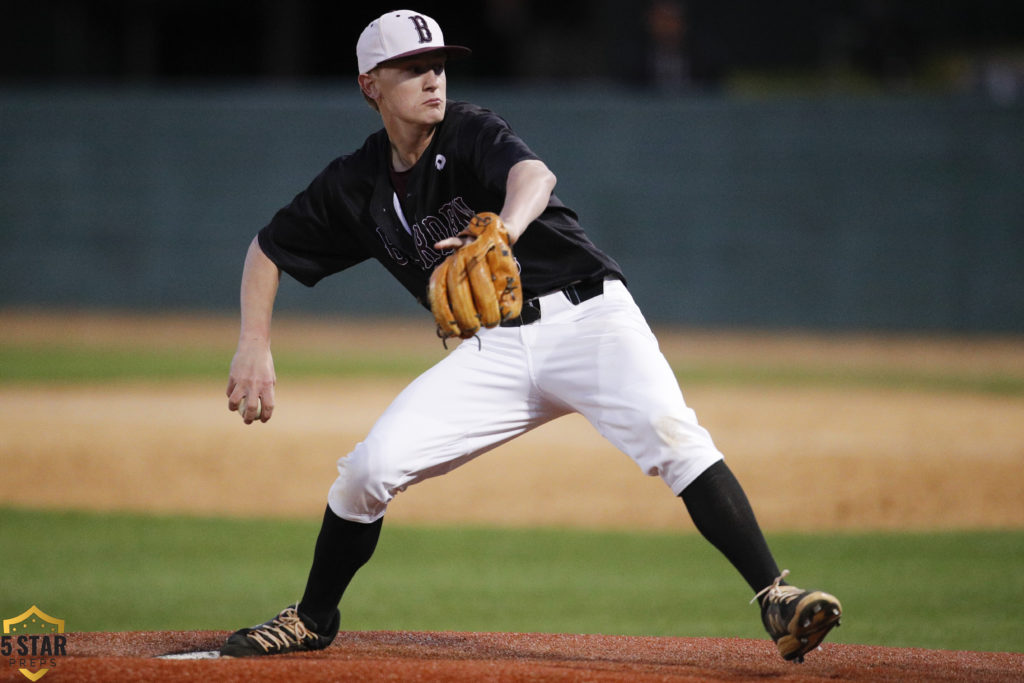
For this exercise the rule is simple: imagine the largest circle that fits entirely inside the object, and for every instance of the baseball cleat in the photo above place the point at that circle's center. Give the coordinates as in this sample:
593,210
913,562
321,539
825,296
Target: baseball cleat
289,631
797,620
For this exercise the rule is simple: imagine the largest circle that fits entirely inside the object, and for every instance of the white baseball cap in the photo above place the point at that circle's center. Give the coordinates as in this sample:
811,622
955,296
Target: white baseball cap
401,33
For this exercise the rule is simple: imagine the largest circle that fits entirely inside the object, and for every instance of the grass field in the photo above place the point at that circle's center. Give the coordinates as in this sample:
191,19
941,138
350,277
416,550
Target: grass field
57,362
118,571
122,572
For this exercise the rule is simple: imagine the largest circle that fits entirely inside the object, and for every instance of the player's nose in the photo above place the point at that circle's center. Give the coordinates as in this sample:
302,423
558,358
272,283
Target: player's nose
432,78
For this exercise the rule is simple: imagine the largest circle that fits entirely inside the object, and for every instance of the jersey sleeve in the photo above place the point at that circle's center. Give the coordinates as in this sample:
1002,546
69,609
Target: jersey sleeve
314,235
494,150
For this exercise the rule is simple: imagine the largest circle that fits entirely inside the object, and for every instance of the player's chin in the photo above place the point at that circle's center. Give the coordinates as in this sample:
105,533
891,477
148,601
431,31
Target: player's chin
433,111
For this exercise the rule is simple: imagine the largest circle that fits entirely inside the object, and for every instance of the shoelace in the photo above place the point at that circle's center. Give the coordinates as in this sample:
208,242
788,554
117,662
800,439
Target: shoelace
774,590
286,629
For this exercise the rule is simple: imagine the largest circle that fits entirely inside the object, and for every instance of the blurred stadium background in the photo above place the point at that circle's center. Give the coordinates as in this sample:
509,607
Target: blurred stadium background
849,165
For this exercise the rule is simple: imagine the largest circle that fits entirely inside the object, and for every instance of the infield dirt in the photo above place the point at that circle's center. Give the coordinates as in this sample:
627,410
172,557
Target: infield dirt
811,456
859,457
514,657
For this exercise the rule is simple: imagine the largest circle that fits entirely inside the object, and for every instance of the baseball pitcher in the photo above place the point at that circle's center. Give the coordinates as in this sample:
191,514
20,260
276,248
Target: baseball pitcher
462,213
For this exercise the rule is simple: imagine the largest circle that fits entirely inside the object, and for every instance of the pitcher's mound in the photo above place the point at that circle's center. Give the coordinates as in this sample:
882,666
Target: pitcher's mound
449,656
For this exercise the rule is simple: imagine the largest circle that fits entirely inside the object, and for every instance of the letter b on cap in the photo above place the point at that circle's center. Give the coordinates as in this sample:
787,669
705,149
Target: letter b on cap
421,28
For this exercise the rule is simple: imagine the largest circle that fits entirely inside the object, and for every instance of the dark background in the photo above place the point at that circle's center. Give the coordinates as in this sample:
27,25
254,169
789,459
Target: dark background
924,43
839,164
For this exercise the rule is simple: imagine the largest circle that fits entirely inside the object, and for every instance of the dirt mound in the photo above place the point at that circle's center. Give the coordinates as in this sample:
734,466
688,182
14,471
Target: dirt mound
450,656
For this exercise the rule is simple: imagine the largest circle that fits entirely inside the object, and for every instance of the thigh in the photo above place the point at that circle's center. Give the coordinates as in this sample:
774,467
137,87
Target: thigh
477,398
612,371
480,395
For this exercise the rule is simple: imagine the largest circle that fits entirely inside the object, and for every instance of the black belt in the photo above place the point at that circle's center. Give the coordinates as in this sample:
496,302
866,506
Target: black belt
577,293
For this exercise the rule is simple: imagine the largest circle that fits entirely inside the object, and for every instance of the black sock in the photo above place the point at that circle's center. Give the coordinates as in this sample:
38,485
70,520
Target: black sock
723,515
341,549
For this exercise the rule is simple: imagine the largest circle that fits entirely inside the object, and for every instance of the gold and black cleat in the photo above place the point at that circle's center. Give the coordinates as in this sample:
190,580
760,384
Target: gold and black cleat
797,620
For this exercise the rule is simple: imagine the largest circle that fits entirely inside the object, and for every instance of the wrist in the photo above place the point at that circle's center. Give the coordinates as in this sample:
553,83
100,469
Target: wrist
249,339
513,230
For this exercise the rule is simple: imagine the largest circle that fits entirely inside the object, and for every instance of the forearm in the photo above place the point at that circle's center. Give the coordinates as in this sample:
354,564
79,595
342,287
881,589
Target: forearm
260,279
527,192
252,369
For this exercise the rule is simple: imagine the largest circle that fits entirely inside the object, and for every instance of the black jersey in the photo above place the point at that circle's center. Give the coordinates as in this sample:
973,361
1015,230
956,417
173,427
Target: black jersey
351,212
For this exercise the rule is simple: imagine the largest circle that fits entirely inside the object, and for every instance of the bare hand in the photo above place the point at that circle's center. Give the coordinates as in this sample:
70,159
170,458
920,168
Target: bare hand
251,377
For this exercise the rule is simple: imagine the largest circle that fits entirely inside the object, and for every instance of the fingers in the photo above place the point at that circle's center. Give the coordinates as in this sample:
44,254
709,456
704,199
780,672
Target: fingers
252,410
252,404
454,242
252,379
235,395
253,407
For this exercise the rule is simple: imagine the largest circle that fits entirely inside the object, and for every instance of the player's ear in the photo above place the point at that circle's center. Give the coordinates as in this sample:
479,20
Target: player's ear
368,84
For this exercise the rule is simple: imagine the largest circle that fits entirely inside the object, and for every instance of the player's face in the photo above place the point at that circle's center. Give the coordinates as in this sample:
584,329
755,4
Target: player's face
413,89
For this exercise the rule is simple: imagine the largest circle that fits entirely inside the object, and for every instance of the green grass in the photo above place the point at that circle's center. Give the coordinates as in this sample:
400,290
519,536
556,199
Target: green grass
962,590
57,363
72,364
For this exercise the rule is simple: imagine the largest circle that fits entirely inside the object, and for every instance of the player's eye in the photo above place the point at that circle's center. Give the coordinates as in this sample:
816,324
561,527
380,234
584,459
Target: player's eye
420,69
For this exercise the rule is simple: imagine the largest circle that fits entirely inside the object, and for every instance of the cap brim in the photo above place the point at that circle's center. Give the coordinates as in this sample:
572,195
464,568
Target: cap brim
451,51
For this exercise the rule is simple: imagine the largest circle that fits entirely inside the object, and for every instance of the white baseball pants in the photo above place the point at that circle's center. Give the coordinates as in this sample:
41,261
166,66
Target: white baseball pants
598,358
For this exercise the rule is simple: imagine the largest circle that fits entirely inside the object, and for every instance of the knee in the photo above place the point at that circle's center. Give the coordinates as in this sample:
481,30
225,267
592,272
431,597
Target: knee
361,492
680,432
684,450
